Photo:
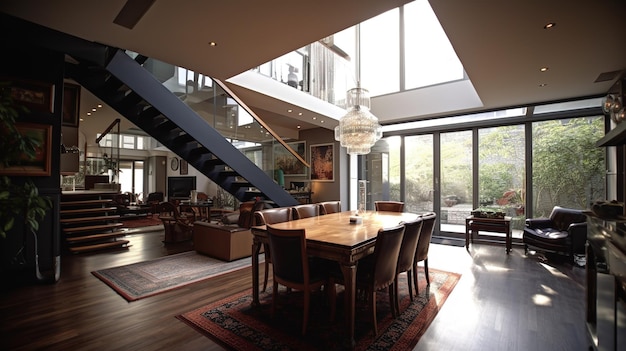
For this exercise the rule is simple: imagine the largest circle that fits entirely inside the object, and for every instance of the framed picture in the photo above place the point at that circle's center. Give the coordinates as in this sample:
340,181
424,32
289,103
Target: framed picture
71,104
184,167
322,163
36,96
40,165
284,160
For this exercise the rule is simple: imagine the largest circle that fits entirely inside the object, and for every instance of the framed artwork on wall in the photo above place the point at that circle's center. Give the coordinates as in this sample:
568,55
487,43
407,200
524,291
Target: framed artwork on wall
34,95
71,104
184,167
322,163
40,165
284,160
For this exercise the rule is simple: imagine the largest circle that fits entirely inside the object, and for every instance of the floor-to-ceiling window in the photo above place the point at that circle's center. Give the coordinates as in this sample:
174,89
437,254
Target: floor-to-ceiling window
455,180
567,168
419,165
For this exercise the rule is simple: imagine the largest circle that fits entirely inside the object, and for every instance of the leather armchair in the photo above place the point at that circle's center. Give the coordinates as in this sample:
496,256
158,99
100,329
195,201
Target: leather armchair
564,232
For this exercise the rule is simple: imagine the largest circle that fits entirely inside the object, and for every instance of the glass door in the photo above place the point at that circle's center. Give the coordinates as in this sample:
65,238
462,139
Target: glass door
455,181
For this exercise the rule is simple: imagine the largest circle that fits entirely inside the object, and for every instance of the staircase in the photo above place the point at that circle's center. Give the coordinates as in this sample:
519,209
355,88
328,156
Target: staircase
89,222
140,97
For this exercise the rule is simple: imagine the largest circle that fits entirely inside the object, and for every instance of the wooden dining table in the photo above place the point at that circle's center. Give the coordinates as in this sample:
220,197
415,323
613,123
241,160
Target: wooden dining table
333,237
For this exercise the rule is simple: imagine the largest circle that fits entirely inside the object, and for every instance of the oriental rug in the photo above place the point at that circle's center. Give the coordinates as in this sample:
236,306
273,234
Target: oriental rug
234,324
140,280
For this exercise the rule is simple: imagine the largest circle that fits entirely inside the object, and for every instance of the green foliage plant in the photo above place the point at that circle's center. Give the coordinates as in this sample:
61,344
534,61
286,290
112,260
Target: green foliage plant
17,200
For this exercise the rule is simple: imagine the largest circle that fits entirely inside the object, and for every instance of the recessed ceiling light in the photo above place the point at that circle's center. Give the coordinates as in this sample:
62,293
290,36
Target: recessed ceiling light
99,105
549,25
81,119
543,85
314,117
93,109
299,113
289,110
212,43
298,126
543,69
88,113
322,121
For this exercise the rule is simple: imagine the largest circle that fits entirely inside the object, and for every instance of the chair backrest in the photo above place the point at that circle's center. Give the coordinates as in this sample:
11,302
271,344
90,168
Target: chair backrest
167,209
386,251
329,207
289,257
423,243
392,206
155,197
412,231
305,211
272,215
562,217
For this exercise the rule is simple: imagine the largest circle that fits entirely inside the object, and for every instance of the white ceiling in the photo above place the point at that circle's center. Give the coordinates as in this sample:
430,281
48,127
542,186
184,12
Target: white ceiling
502,44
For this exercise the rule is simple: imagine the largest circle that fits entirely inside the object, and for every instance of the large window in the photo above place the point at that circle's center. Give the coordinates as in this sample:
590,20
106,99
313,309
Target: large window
568,169
419,165
380,53
456,179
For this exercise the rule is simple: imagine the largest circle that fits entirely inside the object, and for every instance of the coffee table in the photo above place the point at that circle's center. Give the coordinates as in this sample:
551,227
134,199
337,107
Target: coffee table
494,225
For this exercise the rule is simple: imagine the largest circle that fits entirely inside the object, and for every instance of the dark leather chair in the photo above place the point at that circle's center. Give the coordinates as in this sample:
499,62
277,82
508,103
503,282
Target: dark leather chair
563,232
177,226
270,216
391,206
423,244
329,207
305,211
294,269
378,270
412,232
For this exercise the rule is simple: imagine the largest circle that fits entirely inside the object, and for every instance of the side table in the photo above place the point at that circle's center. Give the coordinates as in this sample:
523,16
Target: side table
495,225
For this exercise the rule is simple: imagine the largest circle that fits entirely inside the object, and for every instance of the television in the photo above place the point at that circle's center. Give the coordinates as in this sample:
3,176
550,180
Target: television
180,187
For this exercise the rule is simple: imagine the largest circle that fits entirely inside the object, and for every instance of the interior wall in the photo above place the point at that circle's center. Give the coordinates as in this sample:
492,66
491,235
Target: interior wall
327,191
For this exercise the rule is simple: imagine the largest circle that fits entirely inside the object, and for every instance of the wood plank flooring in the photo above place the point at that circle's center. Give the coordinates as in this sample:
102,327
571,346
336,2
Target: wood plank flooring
502,302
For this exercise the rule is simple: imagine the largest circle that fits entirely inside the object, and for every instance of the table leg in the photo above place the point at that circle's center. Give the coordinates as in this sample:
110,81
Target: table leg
349,279
467,237
256,249
508,239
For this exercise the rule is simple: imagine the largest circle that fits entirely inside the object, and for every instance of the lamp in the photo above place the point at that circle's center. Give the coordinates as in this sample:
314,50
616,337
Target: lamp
358,130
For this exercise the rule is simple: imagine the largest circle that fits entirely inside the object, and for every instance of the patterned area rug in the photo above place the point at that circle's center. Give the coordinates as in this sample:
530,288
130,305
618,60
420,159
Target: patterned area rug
236,325
139,280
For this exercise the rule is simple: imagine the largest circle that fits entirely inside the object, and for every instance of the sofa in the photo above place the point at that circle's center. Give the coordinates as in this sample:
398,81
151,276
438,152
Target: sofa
230,238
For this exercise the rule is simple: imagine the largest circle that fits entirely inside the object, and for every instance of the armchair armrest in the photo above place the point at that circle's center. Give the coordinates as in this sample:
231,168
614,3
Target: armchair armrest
578,236
539,222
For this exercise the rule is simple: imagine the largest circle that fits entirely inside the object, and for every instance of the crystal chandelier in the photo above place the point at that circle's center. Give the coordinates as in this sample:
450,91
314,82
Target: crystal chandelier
358,130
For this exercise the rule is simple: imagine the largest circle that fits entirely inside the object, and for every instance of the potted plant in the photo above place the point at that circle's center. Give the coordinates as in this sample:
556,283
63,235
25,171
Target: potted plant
18,200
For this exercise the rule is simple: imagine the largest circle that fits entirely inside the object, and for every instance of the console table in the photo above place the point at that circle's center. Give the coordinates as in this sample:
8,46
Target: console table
494,225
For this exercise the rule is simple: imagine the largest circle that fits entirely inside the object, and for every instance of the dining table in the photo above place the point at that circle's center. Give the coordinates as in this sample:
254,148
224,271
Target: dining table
334,237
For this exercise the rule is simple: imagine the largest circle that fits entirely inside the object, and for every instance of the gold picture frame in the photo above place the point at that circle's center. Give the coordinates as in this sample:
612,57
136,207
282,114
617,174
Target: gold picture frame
41,164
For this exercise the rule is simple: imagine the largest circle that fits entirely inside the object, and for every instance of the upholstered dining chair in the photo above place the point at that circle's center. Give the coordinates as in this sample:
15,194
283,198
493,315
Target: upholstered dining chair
378,270
412,231
270,216
328,207
423,244
293,268
305,211
392,206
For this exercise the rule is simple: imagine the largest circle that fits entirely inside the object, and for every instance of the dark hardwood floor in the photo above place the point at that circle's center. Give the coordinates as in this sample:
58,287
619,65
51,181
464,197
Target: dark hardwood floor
502,302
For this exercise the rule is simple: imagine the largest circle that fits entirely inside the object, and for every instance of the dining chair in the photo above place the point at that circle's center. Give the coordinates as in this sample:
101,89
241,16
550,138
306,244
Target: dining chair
305,211
391,206
421,253
328,207
378,270
265,217
294,268
177,226
408,248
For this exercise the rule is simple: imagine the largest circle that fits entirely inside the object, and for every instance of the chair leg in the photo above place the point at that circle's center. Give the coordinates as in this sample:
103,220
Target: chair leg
274,294
414,274
395,303
372,296
408,280
426,272
305,318
267,268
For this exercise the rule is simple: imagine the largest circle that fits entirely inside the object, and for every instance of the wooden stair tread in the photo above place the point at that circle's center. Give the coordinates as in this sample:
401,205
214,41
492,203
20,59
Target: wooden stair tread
85,202
92,227
90,219
101,236
89,210
101,246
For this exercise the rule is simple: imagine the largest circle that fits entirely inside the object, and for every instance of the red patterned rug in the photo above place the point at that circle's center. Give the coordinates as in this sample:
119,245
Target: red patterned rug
236,325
